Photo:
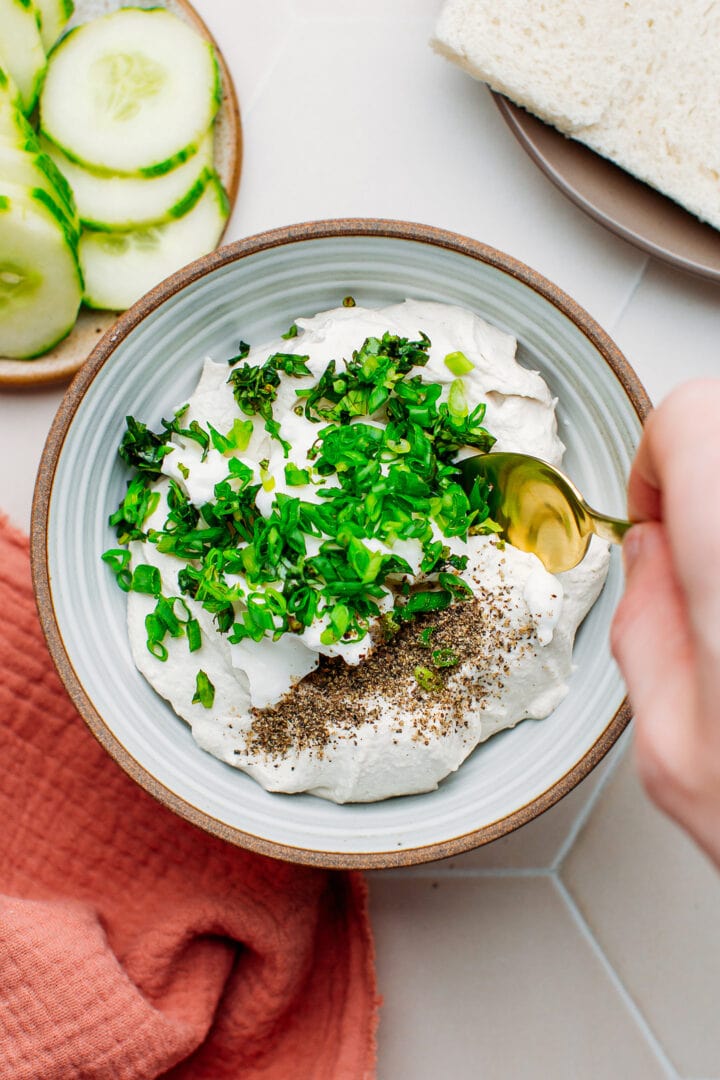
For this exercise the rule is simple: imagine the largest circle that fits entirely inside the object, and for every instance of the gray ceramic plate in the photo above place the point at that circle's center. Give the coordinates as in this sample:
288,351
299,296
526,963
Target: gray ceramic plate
616,199
252,290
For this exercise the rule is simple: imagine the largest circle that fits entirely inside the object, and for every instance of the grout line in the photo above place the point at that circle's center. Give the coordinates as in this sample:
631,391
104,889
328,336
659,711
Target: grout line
582,818
615,321
258,89
449,874
627,999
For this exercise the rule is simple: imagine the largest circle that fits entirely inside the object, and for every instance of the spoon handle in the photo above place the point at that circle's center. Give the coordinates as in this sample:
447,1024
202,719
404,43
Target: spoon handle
609,528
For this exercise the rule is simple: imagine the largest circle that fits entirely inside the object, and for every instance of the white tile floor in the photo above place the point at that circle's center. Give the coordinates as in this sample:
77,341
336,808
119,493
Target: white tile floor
593,952
587,945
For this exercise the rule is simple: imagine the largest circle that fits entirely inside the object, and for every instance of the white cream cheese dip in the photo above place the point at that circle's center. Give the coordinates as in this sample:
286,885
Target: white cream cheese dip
393,712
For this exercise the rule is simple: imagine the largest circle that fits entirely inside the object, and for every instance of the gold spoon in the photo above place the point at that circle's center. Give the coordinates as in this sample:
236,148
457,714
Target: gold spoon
538,509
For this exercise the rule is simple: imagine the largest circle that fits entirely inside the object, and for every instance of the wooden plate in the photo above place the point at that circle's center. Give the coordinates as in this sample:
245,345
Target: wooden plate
616,199
66,358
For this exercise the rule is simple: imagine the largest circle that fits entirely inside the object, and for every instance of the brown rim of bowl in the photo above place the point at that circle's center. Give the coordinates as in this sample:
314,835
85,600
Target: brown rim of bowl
43,489
44,371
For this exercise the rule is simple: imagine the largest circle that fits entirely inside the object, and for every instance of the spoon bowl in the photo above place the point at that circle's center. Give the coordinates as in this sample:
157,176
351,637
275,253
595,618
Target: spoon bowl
537,508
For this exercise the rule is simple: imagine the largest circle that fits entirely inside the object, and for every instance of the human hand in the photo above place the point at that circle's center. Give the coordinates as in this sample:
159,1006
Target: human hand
666,631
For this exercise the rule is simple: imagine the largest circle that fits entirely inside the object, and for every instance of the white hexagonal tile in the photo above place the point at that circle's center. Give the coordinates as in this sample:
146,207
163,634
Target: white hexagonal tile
671,329
369,9
397,131
250,35
26,420
653,902
492,978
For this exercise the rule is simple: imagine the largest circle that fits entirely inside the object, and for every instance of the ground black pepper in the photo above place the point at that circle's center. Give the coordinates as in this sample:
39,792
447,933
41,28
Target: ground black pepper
337,699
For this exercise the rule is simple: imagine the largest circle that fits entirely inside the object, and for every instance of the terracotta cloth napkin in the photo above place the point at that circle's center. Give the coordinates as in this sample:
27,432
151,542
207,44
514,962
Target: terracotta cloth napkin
133,945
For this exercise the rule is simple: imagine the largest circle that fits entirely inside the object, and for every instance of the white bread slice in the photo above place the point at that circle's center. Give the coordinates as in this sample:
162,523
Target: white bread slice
638,81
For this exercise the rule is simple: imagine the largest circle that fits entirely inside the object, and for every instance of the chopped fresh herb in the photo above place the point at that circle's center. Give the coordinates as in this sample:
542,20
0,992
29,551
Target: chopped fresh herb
367,381
255,388
204,691
348,301
291,333
183,470
243,350
457,402
428,680
445,658
458,364
374,485
194,635
141,448
118,559
389,626
425,635
237,438
295,477
146,579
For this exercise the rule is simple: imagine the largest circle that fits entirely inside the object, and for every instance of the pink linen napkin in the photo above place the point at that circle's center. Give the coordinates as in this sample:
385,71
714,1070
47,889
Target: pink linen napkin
132,944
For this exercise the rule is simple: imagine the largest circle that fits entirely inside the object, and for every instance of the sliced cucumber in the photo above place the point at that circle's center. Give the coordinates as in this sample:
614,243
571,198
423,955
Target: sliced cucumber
21,51
133,93
9,93
20,168
121,203
15,130
16,134
54,15
120,267
40,282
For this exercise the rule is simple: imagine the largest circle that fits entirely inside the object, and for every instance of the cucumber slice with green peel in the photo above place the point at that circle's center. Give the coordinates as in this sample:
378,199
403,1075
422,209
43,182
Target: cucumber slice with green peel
120,267
48,166
20,169
131,93
40,281
21,51
54,15
9,93
15,129
16,134
122,203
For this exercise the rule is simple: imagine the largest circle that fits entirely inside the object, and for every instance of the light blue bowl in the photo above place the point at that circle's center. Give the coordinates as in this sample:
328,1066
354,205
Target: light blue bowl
252,290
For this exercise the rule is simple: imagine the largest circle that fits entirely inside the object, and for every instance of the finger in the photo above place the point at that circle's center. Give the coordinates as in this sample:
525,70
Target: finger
652,642
684,426
676,478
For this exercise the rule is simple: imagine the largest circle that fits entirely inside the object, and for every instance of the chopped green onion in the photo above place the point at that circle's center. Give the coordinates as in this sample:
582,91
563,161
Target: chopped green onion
295,477
428,680
444,658
194,636
237,438
204,691
374,486
146,579
457,402
243,350
458,363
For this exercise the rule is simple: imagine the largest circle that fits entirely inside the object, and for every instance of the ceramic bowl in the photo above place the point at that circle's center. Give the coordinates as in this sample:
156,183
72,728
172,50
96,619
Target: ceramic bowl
149,362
